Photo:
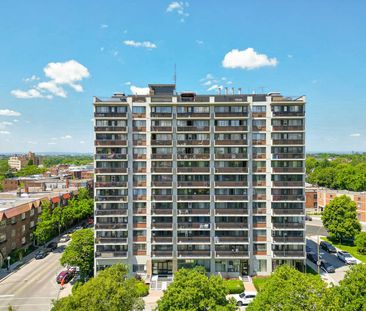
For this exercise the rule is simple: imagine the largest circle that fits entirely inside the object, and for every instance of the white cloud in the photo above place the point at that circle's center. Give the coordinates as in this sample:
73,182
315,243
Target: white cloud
215,87
207,83
290,56
52,143
4,132
355,135
4,124
32,142
101,49
68,73
9,113
54,138
247,59
128,83
125,31
104,26
15,120
66,137
179,7
31,78
82,142
139,90
92,120
199,42
143,44
229,82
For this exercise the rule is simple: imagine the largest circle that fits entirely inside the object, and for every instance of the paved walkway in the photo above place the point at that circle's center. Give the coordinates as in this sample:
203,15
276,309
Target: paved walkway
152,299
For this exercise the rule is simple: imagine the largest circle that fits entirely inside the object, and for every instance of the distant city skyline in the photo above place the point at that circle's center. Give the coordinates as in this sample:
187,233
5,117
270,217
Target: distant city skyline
59,55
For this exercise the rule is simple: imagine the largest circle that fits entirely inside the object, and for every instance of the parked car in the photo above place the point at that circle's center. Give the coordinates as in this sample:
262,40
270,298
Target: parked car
346,258
66,275
73,269
65,238
51,246
244,298
308,218
327,267
313,257
308,249
78,228
41,254
328,247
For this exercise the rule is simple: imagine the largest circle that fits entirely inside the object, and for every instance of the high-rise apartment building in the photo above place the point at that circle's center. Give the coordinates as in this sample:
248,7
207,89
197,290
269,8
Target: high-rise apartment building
213,180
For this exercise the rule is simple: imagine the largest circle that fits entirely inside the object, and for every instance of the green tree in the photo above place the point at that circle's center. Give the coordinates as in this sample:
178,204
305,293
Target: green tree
45,228
360,242
30,170
289,289
192,290
80,251
350,295
30,162
110,290
340,218
83,193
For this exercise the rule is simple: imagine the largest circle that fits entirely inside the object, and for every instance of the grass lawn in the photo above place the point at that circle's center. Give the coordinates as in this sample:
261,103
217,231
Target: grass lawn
351,249
259,282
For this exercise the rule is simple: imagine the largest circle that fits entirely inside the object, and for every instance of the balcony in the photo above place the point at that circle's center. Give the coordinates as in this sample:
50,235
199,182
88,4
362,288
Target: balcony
103,240
286,254
288,198
114,212
110,143
111,226
110,129
162,211
141,197
157,156
259,225
120,198
141,183
230,169
110,115
193,184
161,142
231,211
161,184
260,253
139,238
194,211
191,142
258,142
230,142
162,239
193,225
288,183
139,170
231,239
196,197
288,211
194,253
259,197
231,225
139,211
290,239
259,211
139,252
193,115
230,254
161,170
280,156
139,142
162,197
288,225
161,225
112,156
108,184
193,156
288,169
140,225
139,129
231,156
233,114
260,169
161,115
288,128
193,169
259,156
288,142
194,239
258,128
162,254
139,115
110,254
139,156
258,114
161,129
224,197
231,184
193,129
260,238
231,128
288,113
259,183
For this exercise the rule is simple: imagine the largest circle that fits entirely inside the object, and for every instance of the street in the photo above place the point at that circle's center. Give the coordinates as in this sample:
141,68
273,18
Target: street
33,286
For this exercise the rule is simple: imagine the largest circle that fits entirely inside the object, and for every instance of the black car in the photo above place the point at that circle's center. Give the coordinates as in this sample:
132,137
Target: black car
327,267
308,249
328,247
41,254
51,246
308,218
313,257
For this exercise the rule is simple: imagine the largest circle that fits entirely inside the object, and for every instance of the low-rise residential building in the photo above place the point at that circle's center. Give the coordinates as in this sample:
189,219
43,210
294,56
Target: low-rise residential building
18,161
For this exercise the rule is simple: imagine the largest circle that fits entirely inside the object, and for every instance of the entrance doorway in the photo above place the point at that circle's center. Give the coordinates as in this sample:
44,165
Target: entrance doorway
244,267
164,267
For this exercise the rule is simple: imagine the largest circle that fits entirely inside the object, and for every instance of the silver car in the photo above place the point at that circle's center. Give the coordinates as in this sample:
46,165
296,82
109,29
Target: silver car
346,258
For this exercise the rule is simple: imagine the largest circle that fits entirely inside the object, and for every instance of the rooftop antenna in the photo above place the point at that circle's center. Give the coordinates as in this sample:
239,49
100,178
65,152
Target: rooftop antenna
175,74
262,89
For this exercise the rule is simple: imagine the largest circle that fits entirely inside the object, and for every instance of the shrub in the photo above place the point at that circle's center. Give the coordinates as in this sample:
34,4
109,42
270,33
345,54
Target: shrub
142,288
360,242
234,286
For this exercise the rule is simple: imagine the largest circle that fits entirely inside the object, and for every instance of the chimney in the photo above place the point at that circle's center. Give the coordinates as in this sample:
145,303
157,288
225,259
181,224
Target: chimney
233,90
26,188
219,88
239,90
226,90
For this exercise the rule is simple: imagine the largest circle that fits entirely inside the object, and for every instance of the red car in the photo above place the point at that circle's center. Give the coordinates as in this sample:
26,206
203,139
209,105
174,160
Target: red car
66,275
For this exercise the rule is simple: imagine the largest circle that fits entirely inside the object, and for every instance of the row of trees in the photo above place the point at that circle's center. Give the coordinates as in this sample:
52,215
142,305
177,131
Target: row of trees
346,172
54,221
110,290
49,161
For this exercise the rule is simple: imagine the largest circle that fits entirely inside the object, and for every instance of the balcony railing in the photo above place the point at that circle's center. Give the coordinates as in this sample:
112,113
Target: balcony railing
193,225
108,184
233,253
231,239
140,142
196,197
139,211
288,169
260,169
231,184
288,211
162,197
289,254
161,169
231,128
141,197
161,129
193,129
288,128
161,225
102,240
258,141
288,142
120,198
162,239
259,196
231,225
140,225
290,239
110,129
194,239
259,183
162,253
230,169
259,225
194,253
258,128
139,238
161,115
294,183
258,114
162,211
112,156
260,210
288,156
231,211
224,197
288,198
111,212
141,183
111,226
110,142
110,115
139,129
288,225
231,156
161,142
193,115
193,156
111,170
157,156
161,183
259,155
193,184
111,254
193,169
192,142
139,156
288,114
139,170
194,211
230,142
231,114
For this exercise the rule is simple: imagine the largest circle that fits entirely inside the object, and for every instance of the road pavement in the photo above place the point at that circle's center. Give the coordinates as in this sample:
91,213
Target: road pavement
33,286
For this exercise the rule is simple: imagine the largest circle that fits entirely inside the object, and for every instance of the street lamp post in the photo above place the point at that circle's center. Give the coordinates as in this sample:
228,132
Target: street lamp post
8,258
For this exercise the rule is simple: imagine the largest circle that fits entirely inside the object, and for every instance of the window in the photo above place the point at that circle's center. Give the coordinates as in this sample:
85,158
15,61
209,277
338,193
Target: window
262,265
138,109
31,213
23,216
139,268
23,240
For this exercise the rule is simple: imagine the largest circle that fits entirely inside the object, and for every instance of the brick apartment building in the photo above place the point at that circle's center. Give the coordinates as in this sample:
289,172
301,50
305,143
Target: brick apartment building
18,161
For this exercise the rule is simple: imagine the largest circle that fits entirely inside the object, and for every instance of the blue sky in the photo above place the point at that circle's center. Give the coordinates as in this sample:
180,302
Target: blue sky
59,54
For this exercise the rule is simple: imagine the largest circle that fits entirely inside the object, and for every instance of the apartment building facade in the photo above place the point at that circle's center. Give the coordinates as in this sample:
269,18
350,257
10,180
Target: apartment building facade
212,180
